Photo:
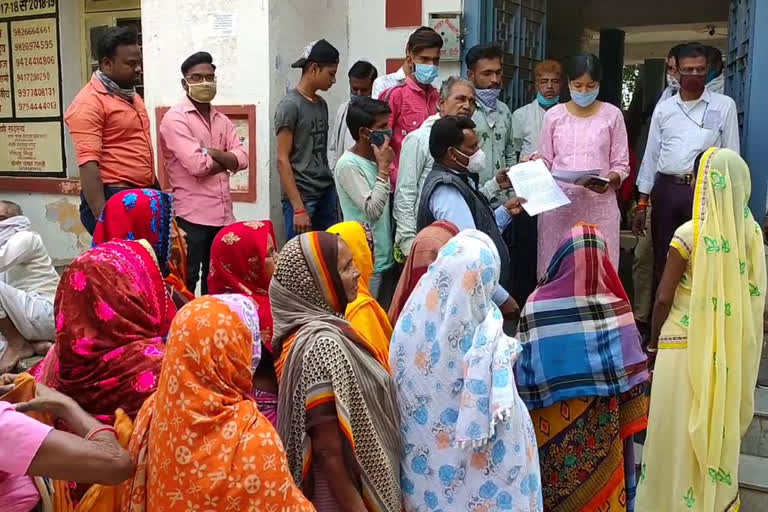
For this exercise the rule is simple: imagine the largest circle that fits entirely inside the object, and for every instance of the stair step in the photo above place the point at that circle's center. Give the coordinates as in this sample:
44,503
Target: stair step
755,441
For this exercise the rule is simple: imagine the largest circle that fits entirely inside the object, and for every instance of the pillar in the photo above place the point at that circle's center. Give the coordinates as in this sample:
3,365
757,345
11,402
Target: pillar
612,59
654,75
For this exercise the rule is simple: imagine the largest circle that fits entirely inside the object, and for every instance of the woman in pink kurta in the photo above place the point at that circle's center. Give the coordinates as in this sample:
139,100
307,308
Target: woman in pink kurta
581,135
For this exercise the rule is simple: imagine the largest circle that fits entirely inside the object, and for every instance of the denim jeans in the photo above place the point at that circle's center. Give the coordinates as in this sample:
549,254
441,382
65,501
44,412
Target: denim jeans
86,215
323,212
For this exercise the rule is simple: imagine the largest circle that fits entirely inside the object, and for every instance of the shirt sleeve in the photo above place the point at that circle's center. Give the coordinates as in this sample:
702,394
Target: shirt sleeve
19,248
85,120
181,142
490,189
373,201
517,132
503,218
413,160
22,437
510,151
647,175
235,146
335,141
286,116
546,141
731,128
619,157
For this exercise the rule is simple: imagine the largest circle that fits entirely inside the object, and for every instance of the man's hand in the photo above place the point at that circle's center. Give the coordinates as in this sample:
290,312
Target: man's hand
515,205
8,378
46,400
503,179
301,222
510,310
638,222
385,155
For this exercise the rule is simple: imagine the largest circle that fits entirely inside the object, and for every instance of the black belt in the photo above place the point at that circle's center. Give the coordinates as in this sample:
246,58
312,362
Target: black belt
678,179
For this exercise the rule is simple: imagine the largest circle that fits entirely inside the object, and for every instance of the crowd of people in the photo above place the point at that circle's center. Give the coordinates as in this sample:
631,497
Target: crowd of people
419,342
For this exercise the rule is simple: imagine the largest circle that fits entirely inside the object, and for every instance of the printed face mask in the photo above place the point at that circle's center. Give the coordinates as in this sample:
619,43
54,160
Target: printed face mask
203,92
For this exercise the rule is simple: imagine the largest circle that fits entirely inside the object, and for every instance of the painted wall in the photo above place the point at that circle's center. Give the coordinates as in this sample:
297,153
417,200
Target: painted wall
369,39
56,217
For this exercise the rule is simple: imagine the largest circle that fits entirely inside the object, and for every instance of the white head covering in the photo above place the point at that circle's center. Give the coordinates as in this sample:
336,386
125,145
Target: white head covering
11,226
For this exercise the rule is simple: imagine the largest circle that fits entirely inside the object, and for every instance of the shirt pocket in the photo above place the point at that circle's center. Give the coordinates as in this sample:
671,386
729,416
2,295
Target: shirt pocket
411,121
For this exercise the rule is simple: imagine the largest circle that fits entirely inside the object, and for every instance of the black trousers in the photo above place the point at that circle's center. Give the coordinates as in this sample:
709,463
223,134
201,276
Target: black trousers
199,241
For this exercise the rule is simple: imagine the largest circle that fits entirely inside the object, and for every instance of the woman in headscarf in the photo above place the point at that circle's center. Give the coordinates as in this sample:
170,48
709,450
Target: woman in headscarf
199,442
468,439
243,258
337,414
712,293
147,214
582,374
426,245
364,313
112,314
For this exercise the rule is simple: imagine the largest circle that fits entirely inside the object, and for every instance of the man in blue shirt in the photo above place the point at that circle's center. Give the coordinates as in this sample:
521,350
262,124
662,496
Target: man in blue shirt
451,192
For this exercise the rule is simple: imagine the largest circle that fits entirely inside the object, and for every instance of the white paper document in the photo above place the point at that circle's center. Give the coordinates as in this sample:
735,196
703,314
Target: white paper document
534,182
575,177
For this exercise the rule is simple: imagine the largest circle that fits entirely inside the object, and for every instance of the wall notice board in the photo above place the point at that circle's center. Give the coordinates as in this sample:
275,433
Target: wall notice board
242,185
31,131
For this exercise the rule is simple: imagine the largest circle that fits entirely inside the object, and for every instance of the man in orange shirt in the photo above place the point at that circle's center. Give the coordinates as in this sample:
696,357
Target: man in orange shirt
110,126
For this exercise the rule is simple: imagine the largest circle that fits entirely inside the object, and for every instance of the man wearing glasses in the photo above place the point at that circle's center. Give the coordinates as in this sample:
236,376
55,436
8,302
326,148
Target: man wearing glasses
201,149
682,127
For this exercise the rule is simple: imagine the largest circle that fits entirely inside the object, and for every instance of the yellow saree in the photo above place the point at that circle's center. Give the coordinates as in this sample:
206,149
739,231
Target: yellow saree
702,397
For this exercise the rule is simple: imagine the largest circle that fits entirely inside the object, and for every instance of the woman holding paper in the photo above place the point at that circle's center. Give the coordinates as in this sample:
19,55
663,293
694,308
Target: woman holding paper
578,136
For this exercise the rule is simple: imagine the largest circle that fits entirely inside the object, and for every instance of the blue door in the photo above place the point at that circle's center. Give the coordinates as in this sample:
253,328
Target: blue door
519,27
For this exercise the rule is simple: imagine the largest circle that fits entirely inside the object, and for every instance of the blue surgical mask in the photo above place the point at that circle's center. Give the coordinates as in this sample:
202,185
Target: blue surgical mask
425,74
584,99
546,103
378,137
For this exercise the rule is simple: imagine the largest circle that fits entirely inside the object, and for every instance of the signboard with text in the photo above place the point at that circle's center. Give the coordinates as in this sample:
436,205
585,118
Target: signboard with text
31,131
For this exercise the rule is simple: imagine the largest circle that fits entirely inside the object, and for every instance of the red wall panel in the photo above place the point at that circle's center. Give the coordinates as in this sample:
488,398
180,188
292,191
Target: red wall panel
403,13
394,64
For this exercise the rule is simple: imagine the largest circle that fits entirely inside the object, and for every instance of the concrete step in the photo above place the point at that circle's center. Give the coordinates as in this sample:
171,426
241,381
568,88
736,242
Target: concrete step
753,483
755,441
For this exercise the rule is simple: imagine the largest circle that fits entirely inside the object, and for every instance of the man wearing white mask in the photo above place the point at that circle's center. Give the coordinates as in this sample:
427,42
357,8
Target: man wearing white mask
201,148
673,75
451,192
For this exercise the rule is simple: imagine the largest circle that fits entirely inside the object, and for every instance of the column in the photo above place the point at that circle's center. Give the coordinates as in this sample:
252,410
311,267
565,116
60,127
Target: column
612,59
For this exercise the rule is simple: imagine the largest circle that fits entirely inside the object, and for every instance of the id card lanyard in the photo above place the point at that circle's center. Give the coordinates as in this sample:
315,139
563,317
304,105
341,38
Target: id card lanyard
686,114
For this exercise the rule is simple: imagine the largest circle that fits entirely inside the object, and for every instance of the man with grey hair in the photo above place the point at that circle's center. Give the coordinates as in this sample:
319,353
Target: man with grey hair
457,98
28,284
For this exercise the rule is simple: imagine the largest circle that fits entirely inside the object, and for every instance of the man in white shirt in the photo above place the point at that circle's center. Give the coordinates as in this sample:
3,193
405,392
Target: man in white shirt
361,75
682,127
28,284
527,120
673,76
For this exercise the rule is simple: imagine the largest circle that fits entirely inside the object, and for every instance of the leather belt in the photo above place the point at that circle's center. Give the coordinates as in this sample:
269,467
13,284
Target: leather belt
678,179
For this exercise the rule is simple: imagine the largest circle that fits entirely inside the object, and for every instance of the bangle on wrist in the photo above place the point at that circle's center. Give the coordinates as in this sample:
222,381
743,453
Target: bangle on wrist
300,211
98,430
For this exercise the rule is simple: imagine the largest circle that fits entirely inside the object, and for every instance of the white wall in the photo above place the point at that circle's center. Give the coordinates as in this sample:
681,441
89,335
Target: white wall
370,40
174,29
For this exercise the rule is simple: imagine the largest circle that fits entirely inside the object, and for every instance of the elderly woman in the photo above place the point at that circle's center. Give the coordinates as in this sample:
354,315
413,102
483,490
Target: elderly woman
708,327
200,443
337,414
364,313
147,214
583,135
243,257
582,374
468,439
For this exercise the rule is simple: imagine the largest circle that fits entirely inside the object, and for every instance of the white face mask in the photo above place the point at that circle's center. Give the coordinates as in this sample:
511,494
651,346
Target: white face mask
673,82
476,162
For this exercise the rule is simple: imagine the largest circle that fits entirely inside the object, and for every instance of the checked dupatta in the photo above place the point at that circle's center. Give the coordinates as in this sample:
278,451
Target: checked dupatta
578,333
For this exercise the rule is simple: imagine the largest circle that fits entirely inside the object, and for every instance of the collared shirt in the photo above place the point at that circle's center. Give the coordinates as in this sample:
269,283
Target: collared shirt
668,92
447,203
494,128
25,265
339,137
387,81
199,197
717,84
415,165
526,128
680,132
112,132
411,105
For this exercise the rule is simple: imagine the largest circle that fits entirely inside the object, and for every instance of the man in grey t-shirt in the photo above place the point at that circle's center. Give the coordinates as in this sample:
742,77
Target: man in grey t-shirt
301,125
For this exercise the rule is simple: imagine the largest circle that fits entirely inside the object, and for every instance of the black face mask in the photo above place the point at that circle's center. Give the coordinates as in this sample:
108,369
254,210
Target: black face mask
378,137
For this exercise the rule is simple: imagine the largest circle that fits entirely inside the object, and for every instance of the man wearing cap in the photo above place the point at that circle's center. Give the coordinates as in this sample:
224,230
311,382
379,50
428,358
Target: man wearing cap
301,125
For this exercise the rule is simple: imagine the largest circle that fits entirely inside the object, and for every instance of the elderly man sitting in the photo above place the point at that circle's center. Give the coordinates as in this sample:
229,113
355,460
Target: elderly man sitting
28,284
